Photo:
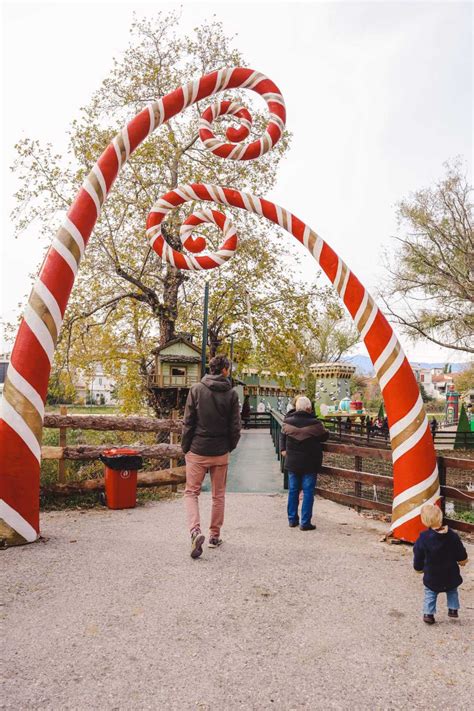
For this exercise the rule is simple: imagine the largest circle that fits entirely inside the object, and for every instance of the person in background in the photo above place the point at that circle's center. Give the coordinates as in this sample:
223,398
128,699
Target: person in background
434,426
300,443
211,429
438,553
245,412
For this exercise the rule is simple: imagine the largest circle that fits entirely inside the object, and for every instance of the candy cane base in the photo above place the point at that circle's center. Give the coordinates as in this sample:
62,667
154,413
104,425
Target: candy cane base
22,407
19,491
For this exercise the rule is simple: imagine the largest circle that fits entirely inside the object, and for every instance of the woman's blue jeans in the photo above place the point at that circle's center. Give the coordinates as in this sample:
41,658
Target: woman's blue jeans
296,483
429,604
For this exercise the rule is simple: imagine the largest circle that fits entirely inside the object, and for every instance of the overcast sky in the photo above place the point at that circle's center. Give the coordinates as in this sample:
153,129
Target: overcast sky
378,95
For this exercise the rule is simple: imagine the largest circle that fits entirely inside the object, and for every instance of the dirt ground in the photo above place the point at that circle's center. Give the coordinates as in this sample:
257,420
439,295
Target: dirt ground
110,612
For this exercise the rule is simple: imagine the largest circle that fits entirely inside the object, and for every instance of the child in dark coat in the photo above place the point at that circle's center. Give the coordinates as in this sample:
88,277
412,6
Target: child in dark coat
438,553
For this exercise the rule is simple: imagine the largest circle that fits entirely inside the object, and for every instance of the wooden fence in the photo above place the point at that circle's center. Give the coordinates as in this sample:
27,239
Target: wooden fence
359,433
364,456
171,476
361,478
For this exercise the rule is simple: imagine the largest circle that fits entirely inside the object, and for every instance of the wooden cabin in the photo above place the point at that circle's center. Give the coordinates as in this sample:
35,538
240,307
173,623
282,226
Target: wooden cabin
177,364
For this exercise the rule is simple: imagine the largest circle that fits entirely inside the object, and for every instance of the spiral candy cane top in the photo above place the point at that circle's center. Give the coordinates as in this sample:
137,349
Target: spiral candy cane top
415,474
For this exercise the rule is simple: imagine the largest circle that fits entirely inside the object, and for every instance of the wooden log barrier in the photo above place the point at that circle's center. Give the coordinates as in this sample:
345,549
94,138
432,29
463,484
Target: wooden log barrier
62,443
89,451
133,423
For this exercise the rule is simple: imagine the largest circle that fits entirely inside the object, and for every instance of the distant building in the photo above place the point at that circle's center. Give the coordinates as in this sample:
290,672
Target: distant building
441,383
332,382
4,361
273,391
99,388
434,381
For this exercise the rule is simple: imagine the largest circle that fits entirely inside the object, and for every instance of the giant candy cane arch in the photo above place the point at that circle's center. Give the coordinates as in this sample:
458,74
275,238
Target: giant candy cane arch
22,409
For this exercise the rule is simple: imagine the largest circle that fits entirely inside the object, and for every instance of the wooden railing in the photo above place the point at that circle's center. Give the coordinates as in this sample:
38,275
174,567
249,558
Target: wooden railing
359,477
358,453
257,421
359,433
171,451
156,380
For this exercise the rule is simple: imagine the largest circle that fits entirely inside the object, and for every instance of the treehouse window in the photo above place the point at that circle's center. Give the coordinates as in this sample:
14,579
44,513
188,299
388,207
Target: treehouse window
178,372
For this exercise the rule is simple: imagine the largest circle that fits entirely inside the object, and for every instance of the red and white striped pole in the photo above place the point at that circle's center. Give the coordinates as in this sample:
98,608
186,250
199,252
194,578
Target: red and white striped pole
22,407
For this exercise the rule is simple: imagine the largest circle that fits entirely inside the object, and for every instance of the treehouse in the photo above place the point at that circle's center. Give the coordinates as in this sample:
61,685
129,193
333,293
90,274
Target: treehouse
177,366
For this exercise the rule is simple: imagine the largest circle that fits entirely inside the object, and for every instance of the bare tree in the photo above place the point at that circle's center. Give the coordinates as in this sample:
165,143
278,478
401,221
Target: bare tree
430,292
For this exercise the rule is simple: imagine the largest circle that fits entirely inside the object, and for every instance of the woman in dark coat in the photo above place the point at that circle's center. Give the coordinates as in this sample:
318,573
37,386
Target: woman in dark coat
245,412
300,443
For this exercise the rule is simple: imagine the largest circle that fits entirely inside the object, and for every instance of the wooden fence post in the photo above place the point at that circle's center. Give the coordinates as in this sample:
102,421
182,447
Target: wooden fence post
174,439
442,481
358,484
62,443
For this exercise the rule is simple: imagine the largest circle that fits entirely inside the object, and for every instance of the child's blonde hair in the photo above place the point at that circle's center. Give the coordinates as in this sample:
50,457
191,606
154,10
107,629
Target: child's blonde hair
431,516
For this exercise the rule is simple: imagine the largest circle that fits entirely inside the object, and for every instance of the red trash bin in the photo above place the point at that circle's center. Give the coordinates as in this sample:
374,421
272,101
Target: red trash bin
121,467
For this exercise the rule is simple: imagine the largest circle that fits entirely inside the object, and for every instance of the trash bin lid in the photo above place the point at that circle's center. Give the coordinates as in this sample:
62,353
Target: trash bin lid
122,458
118,451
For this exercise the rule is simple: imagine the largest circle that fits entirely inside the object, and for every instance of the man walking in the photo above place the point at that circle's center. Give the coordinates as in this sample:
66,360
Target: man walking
211,429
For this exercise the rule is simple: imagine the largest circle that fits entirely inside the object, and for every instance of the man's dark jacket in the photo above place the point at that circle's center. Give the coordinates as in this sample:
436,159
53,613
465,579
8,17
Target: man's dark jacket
301,436
211,424
437,554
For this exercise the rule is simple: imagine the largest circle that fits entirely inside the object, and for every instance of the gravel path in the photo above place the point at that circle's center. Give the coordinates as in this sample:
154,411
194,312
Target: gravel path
110,612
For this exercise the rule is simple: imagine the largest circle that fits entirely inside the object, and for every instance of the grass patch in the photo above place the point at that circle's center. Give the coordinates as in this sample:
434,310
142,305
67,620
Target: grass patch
86,409
466,516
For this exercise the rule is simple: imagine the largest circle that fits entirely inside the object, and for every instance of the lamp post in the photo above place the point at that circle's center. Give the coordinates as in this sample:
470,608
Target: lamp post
204,328
231,353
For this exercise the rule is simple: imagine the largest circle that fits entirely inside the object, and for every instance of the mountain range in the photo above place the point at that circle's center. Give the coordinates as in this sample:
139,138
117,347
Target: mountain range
365,367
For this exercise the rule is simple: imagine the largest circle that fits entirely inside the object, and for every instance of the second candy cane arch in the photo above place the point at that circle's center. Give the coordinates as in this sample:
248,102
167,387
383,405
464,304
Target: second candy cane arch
414,461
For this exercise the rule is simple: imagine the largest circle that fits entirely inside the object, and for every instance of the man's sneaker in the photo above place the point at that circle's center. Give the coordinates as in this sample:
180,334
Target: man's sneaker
197,542
214,542
293,524
308,527
453,613
429,619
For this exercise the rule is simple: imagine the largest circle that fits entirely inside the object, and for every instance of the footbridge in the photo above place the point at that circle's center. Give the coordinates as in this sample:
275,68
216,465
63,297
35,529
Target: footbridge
357,470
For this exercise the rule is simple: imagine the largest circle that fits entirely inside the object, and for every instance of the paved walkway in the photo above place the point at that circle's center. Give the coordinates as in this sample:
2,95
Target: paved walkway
110,612
254,466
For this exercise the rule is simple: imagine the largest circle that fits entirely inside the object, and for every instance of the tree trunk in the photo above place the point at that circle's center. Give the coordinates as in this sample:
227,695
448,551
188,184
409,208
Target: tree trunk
164,401
169,310
214,341
214,344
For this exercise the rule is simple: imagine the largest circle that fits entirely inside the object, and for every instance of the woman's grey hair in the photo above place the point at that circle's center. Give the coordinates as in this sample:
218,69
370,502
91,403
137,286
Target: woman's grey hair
303,403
